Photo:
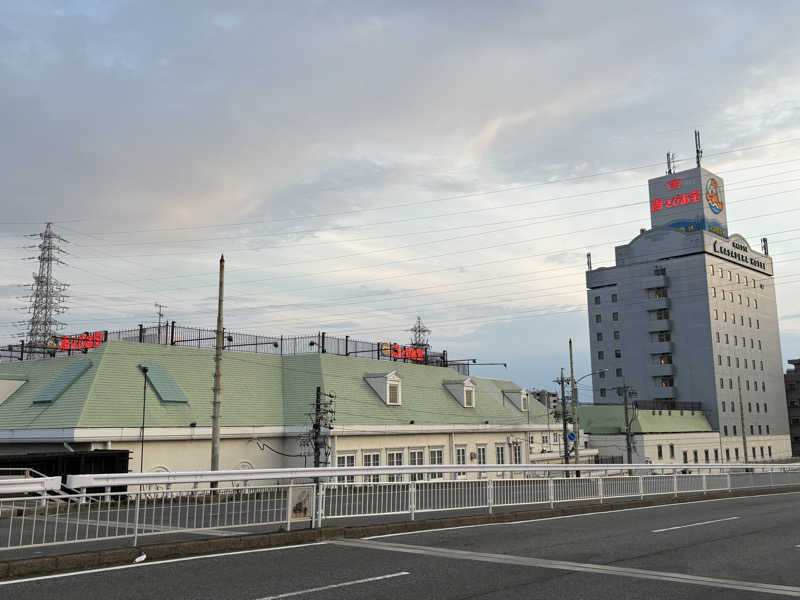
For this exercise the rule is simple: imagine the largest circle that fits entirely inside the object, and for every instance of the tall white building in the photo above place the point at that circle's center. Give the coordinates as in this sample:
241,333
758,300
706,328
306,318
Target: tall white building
687,319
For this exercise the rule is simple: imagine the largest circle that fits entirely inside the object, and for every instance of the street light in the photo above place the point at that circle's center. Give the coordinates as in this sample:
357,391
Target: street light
575,420
144,406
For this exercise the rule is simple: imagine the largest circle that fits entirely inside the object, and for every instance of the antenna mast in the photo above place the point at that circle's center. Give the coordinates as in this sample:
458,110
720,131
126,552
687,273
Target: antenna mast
47,295
420,335
697,149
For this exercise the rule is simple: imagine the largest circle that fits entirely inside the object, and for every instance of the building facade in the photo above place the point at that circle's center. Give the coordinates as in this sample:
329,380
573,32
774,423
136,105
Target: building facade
383,412
792,381
687,318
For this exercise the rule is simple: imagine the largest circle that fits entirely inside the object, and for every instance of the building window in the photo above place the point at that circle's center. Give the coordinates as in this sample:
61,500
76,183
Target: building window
469,398
755,304
728,454
616,334
765,410
516,453
761,363
662,313
759,344
749,405
737,366
394,394
769,451
723,406
597,299
618,353
724,316
619,372
346,460
716,455
394,458
694,456
416,458
602,374
714,292
758,407
752,432
730,383
705,455
614,297
481,455
672,450
716,314
729,360
719,359
711,269
523,400
372,459
660,451
736,453
602,392
727,339
685,457
758,324
754,451
601,355
725,429
615,316
663,336
598,318
599,336
740,298
436,456
736,340
500,454
763,387
718,336
721,383
759,430
734,433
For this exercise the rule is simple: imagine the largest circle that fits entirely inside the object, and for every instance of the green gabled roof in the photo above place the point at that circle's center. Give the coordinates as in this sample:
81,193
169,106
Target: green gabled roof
610,419
257,390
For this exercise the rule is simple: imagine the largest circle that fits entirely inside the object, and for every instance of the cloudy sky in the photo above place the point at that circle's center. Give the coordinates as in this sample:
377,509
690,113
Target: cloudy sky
362,163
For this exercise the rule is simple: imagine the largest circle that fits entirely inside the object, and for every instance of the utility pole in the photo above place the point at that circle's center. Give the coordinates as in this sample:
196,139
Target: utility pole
144,409
317,427
626,390
741,418
560,381
575,420
217,401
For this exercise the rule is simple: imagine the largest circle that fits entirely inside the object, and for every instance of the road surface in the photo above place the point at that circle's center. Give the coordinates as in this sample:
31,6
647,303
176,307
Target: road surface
734,548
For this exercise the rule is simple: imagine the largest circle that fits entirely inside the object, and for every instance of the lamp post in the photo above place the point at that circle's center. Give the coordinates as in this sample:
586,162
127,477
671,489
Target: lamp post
575,420
144,407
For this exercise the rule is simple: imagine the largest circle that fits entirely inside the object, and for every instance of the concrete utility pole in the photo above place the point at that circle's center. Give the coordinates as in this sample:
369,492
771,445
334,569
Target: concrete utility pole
564,418
318,427
628,445
216,405
741,418
575,420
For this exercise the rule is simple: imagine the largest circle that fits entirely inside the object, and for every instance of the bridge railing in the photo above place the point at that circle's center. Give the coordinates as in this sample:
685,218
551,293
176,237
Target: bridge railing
213,502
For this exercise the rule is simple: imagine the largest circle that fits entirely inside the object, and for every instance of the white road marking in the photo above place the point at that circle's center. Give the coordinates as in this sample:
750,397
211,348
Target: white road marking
695,524
336,585
591,514
158,562
507,559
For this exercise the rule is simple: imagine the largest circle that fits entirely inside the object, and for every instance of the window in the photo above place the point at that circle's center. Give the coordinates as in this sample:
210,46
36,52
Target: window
734,433
714,292
750,321
745,280
372,459
672,451
719,359
769,451
602,392
738,278
711,269
469,398
759,430
761,363
436,456
723,406
615,316
665,359
614,297
660,451
740,298
759,344
394,458
737,366
346,460
729,360
758,324
663,336
758,407
659,271
724,316
597,299
736,453
736,340
730,383
727,339
694,456
662,313
765,410
598,318
617,353
750,407
727,454
755,304
516,453
706,456
394,394
763,387
718,336
500,454
716,455
602,374
685,457
599,336
416,458
600,355
725,429
619,372
751,430
716,314
721,383
616,334
754,452
481,455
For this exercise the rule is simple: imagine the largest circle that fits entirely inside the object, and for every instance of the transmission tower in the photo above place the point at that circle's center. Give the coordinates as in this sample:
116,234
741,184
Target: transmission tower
420,335
47,297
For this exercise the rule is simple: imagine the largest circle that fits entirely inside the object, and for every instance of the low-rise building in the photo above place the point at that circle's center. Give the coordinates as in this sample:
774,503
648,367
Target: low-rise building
792,382
380,412
669,436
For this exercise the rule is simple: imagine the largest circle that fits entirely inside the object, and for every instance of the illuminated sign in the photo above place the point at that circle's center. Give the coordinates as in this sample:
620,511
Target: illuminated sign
712,196
82,342
692,197
674,184
740,253
397,351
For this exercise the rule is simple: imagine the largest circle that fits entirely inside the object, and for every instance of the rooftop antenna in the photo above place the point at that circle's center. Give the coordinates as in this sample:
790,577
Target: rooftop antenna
589,261
764,246
697,149
160,312
47,295
670,163
420,335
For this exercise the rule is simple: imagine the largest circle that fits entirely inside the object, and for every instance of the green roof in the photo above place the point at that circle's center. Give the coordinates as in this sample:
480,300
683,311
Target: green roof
610,419
104,388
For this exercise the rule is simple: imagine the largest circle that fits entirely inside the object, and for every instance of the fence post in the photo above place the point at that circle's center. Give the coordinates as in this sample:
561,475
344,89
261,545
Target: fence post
490,494
319,508
136,519
675,483
600,488
551,492
705,484
771,479
412,498
289,507
641,487
728,477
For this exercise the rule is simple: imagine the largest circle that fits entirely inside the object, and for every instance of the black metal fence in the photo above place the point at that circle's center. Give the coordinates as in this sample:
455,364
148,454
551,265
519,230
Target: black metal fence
171,334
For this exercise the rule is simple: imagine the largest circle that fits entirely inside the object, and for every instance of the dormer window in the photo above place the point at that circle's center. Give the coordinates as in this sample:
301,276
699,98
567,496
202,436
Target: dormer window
387,386
523,400
462,391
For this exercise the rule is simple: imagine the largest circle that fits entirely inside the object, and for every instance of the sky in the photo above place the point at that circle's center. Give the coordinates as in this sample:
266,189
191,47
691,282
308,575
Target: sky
363,163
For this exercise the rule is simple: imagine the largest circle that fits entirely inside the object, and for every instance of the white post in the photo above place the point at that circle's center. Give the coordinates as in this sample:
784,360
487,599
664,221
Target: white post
289,508
600,488
320,504
675,483
551,492
490,494
705,484
641,487
412,498
136,519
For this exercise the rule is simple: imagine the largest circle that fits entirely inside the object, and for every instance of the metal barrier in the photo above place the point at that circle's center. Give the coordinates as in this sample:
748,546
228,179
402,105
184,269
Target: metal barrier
310,497
28,485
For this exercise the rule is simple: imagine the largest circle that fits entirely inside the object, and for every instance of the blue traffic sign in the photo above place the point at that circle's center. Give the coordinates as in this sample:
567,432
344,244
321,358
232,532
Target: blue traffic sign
571,436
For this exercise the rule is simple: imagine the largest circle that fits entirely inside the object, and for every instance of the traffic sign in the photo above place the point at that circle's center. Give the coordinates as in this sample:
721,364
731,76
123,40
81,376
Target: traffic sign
571,436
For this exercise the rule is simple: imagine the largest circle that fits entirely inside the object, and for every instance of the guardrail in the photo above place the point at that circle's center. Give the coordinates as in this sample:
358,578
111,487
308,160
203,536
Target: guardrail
334,494
29,485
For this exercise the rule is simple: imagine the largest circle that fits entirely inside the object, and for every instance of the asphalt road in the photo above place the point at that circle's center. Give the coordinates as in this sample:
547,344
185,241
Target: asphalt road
734,548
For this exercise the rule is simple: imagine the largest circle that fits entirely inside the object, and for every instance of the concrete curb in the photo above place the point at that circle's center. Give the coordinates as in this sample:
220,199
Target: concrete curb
80,561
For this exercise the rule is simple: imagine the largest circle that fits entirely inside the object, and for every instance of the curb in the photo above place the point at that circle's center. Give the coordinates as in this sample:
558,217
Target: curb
80,561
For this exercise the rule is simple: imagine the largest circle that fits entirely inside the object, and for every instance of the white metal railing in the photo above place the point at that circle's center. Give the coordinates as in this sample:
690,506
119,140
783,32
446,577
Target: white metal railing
26,485
311,497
